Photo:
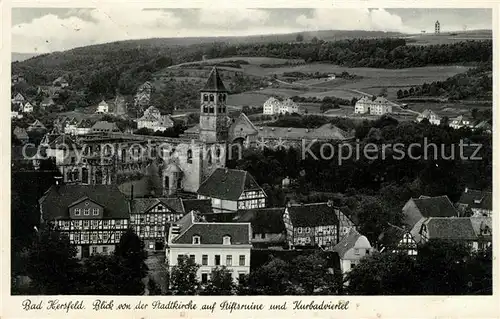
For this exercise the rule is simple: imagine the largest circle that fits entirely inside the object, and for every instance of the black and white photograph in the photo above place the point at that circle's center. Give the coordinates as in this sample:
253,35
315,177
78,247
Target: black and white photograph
250,152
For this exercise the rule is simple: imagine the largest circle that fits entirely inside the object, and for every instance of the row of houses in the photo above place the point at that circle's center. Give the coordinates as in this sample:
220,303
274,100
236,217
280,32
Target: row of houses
456,122
75,126
275,106
373,106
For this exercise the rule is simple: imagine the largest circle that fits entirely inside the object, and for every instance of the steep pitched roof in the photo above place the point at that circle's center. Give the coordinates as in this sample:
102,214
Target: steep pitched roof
347,242
439,206
85,123
482,226
106,126
142,205
64,140
450,228
477,199
228,184
311,215
55,202
204,206
263,220
214,82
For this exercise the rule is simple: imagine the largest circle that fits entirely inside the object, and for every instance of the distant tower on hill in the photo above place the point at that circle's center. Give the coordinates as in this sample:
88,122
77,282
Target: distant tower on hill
437,28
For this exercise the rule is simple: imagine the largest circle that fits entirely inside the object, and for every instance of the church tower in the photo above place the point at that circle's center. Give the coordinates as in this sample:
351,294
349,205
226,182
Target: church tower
213,112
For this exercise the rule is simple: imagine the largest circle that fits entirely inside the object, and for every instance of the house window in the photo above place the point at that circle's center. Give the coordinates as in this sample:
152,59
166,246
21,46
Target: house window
85,223
205,109
242,260
211,109
211,97
353,265
105,223
196,240
229,260
205,97
179,259
118,222
85,236
356,251
368,251
308,229
204,278
86,211
77,211
299,230
263,236
193,258
95,211
94,250
204,260
94,237
189,156
105,250
66,223
217,260
94,223
226,240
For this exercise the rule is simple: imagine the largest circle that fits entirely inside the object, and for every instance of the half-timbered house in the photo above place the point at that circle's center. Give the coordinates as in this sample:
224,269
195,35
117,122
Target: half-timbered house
93,216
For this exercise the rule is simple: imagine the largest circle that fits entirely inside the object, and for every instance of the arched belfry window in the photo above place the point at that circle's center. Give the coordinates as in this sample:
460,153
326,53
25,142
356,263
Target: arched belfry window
189,156
209,157
205,108
211,109
217,155
205,97
211,97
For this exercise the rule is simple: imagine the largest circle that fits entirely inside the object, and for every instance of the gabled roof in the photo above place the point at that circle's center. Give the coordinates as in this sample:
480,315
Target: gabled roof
477,199
204,206
85,123
228,184
64,140
211,233
55,202
311,215
37,124
347,242
263,220
142,205
457,228
439,206
214,82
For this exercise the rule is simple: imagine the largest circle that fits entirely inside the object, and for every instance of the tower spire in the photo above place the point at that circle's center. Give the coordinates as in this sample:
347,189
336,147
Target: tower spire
214,82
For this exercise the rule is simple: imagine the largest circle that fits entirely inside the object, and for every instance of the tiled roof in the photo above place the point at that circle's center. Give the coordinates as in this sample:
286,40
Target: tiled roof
214,82
64,140
457,228
347,242
263,220
311,215
142,205
85,123
470,196
212,233
325,132
204,206
55,202
439,206
228,184
105,125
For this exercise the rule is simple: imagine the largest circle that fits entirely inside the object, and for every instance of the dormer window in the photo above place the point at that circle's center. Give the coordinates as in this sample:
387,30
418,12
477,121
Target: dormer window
196,240
226,240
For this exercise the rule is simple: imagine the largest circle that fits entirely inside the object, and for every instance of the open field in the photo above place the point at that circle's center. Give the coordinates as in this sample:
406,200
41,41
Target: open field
449,38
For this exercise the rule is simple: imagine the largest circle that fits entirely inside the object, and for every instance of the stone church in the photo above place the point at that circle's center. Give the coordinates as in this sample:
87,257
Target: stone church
149,165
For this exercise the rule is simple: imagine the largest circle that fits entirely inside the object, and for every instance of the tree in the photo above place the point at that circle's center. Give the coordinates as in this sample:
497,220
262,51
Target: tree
384,274
183,279
131,250
153,288
383,92
272,278
299,38
311,273
52,263
221,282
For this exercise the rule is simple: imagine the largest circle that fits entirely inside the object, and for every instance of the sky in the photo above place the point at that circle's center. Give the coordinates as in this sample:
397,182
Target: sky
43,30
